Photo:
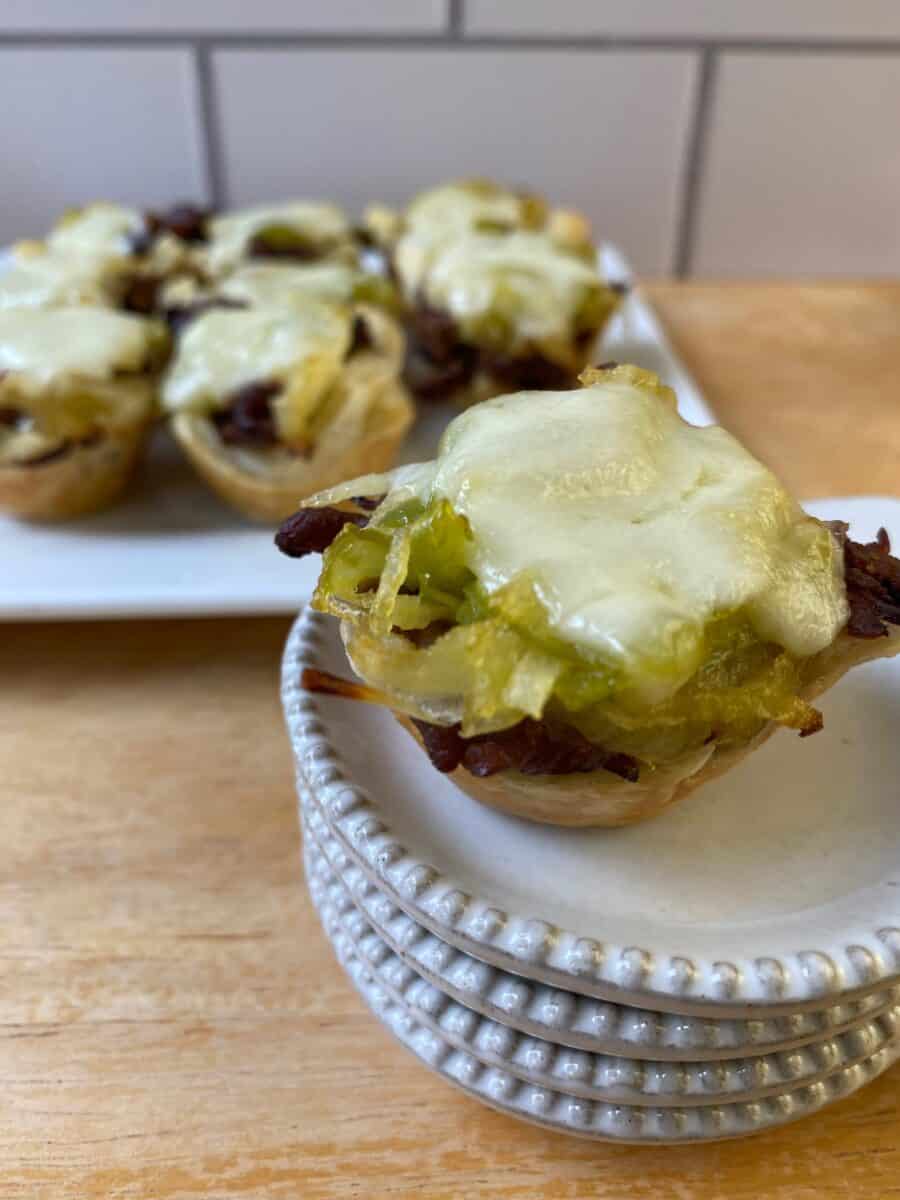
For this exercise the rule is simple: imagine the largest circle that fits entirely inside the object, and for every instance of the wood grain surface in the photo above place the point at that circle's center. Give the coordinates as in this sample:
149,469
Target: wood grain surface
172,1024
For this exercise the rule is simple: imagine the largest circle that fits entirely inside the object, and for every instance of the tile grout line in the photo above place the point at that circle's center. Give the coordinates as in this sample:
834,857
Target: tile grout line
695,160
209,120
455,20
448,38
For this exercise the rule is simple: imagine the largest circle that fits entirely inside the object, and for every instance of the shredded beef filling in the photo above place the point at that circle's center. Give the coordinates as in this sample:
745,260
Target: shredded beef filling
248,420
872,577
360,337
185,221
140,294
312,530
531,747
530,372
438,361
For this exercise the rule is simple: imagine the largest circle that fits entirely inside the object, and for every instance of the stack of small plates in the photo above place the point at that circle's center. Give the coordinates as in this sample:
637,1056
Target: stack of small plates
728,967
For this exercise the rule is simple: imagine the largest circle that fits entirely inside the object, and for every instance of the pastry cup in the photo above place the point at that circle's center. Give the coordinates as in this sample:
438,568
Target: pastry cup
602,799
82,478
371,415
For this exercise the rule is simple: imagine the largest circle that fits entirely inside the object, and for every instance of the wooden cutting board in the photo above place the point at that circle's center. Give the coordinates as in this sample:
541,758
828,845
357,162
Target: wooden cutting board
172,1024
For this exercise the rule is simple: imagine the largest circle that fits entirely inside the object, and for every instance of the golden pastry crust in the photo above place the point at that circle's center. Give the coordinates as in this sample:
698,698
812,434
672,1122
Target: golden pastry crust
603,799
83,479
370,417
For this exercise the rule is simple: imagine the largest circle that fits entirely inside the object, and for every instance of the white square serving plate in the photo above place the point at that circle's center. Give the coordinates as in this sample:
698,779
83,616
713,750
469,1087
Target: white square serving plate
173,549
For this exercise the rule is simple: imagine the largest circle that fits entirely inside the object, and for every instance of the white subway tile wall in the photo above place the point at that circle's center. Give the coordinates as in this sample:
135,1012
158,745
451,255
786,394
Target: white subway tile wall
224,16
79,124
605,132
706,138
802,167
763,19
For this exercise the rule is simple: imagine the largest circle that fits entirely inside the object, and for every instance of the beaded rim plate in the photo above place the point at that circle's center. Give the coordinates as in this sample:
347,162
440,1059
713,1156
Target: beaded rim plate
606,1078
575,1115
771,889
562,1017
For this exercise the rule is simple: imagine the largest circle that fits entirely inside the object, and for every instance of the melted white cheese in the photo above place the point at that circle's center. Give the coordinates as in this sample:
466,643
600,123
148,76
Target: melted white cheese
280,283
455,208
97,228
522,277
231,234
45,345
635,527
53,279
225,349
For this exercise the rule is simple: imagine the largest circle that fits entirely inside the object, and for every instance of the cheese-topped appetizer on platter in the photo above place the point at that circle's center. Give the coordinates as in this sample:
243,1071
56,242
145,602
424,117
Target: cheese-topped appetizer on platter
501,293
144,248
36,276
277,284
272,403
585,608
77,398
302,231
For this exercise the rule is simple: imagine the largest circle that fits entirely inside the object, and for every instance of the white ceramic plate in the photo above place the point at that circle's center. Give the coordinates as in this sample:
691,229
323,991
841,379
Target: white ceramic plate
500,1089
773,889
608,1078
559,1016
173,549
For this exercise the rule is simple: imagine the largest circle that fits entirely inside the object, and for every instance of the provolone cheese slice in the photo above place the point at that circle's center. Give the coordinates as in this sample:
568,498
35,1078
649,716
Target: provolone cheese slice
225,349
525,279
635,528
43,346
97,228
230,235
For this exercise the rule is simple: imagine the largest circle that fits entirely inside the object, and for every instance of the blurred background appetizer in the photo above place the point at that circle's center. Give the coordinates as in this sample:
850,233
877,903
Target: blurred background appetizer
501,292
272,402
77,399
303,231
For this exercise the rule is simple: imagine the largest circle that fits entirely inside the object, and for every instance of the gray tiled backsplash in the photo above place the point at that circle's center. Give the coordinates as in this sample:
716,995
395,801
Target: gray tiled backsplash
224,16
739,19
784,161
77,124
377,124
802,167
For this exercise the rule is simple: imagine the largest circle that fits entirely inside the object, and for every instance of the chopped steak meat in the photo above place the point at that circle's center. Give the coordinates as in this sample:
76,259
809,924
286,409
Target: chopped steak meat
429,379
140,293
248,420
439,361
10,417
360,337
185,221
434,332
531,747
312,530
872,577
528,372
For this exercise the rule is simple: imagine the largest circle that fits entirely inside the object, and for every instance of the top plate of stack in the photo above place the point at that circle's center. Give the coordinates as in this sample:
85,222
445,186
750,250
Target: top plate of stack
774,891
